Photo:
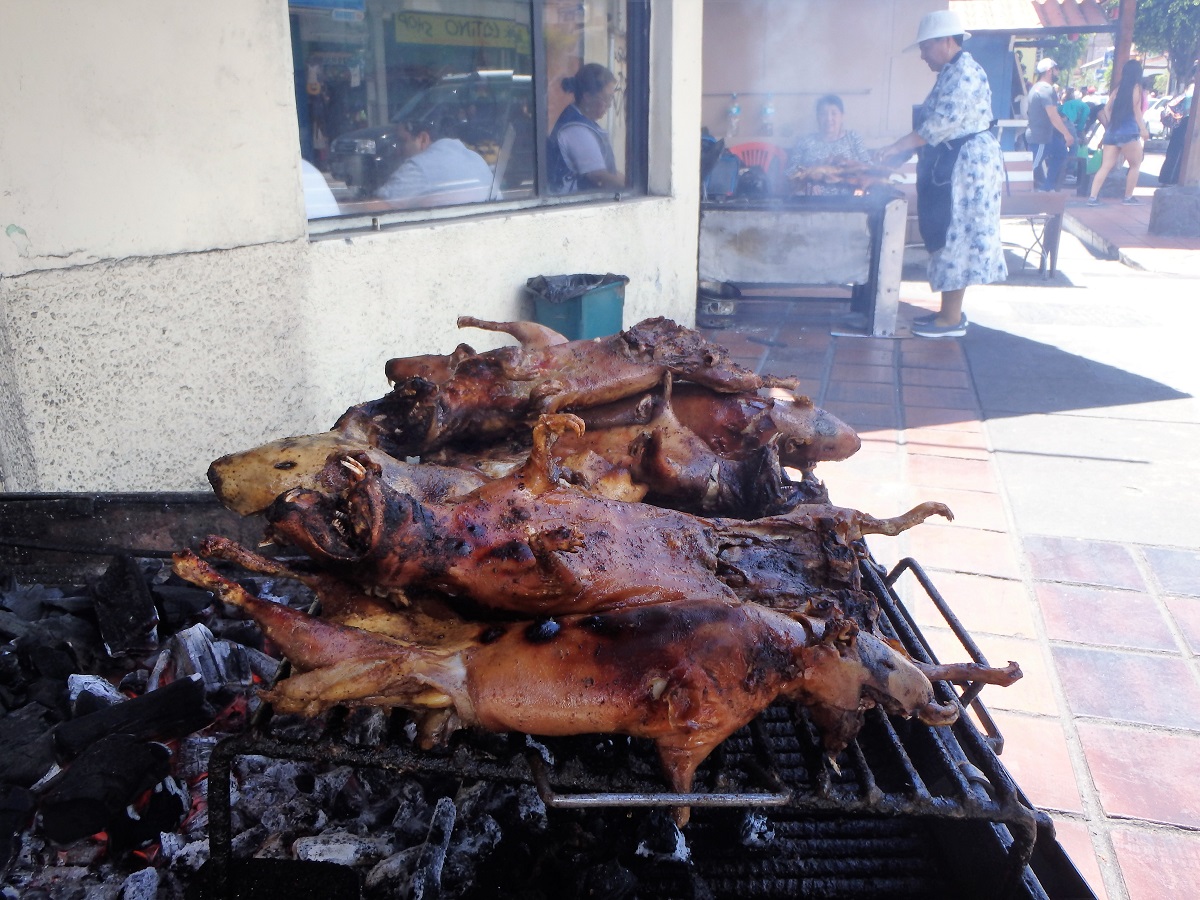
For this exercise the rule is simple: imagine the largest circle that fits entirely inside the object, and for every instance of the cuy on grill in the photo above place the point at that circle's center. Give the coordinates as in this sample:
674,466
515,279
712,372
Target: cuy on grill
907,810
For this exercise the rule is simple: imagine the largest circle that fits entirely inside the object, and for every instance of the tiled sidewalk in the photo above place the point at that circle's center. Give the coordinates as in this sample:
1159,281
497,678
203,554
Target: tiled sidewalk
1104,729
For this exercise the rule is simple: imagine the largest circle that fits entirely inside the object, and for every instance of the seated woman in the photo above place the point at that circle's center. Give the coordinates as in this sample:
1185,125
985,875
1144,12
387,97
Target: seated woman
831,143
579,150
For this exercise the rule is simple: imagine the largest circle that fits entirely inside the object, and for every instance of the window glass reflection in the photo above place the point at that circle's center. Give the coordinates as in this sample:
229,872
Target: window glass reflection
585,49
407,104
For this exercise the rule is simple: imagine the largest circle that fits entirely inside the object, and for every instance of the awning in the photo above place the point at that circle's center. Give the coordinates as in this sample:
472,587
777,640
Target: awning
1033,17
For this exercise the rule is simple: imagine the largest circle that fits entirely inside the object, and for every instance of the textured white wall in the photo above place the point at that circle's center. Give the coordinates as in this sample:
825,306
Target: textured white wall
132,356
141,128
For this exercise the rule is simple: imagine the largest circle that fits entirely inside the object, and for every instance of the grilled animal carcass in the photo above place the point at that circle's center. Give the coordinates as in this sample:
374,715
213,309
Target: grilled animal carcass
490,395
532,544
686,675
247,482
849,173
727,459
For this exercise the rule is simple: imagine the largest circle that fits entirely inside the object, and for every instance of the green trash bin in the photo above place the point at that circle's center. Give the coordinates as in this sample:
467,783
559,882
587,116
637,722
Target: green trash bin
579,307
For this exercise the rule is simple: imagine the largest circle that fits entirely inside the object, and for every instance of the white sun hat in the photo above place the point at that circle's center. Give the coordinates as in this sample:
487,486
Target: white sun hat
938,24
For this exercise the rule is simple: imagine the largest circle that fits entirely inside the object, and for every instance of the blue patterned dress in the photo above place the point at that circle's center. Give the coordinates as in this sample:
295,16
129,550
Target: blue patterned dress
961,104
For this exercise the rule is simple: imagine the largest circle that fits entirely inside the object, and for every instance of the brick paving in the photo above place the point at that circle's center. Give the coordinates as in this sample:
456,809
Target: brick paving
1104,730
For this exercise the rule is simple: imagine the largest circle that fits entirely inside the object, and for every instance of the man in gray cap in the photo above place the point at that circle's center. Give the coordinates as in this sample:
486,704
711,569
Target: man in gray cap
1048,135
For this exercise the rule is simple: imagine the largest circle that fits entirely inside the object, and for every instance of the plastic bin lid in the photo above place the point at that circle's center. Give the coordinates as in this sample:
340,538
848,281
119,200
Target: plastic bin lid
560,288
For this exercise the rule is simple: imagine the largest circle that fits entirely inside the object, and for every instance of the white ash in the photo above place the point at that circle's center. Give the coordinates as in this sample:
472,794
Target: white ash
668,845
192,757
98,687
141,885
342,848
756,830
385,879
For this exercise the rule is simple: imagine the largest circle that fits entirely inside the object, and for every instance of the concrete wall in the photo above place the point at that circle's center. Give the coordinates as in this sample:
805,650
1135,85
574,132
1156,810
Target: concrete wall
161,302
796,50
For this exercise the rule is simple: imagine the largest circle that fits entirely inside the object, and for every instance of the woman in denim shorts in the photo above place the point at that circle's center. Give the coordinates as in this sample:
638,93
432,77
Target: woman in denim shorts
1124,131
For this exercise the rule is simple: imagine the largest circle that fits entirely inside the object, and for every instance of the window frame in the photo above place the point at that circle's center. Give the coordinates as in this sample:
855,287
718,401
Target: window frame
637,152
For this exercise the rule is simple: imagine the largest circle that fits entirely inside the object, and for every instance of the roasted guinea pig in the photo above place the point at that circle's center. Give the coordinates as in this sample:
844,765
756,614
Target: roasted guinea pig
532,543
249,481
728,459
686,675
487,396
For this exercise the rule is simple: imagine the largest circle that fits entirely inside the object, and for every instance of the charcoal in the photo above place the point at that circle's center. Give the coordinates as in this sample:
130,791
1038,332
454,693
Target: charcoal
190,653
247,841
608,880
294,727
165,810
11,672
191,759
12,625
91,690
289,879
473,841
134,683
756,830
660,838
411,822
125,610
141,885
427,873
50,693
294,817
16,808
28,602
26,745
177,709
365,726
192,857
240,631
390,875
342,847
60,645
99,785
180,605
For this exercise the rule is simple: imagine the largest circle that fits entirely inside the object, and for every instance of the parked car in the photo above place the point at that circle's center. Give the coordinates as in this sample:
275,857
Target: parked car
1153,118
490,106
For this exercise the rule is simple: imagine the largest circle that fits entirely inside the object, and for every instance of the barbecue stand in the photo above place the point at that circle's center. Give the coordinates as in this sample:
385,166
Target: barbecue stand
895,769
836,240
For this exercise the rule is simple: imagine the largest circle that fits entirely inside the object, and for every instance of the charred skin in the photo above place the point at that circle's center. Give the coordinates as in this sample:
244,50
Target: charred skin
248,482
738,424
433,367
684,675
513,545
474,400
532,544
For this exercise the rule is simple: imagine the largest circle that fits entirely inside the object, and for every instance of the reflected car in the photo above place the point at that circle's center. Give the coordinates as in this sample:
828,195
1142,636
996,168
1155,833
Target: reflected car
494,112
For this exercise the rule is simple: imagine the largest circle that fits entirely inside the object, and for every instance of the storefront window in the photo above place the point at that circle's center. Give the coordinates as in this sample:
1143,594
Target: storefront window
417,104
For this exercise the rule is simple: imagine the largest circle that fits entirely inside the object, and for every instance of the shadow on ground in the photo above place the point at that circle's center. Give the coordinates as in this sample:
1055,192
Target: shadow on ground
1016,376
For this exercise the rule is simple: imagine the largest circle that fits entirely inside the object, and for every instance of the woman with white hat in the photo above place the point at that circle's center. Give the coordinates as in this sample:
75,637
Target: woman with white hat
960,173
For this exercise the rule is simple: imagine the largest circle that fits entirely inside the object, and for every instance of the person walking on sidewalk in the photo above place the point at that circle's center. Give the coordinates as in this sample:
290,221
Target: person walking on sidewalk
1048,135
1124,131
960,173
1176,115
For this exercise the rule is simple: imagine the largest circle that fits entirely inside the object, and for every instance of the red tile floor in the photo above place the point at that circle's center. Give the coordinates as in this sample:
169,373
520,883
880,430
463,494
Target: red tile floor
1103,731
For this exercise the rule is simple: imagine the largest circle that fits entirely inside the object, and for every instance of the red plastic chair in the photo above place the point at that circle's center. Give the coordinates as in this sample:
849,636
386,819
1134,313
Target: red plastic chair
760,153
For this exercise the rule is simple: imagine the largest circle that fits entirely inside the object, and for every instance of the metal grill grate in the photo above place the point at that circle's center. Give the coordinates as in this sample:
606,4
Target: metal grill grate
840,823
